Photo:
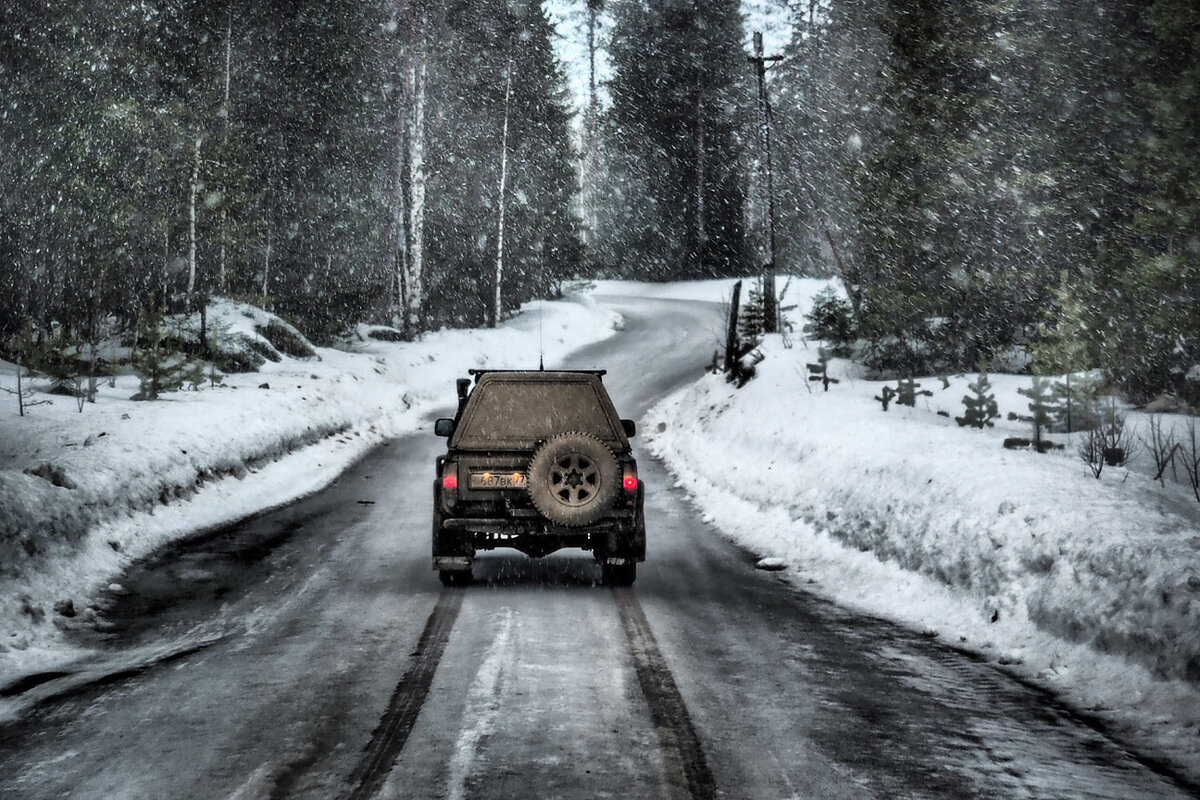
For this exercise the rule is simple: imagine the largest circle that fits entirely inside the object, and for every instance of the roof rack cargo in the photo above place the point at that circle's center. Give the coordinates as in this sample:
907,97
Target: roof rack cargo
597,372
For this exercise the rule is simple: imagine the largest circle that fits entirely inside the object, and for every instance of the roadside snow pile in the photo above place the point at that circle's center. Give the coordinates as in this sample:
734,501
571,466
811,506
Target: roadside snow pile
1091,585
84,494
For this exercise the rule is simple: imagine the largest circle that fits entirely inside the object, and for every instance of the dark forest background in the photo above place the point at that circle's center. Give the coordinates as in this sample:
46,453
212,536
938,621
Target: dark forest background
982,175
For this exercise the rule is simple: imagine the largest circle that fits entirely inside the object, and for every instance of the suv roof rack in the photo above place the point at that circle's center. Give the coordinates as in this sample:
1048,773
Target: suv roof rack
596,372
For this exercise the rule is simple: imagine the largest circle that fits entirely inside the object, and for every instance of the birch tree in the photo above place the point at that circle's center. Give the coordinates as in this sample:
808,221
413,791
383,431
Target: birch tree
498,307
413,283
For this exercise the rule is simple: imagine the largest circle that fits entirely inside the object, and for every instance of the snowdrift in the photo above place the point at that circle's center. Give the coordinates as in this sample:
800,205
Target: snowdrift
84,494
1092,586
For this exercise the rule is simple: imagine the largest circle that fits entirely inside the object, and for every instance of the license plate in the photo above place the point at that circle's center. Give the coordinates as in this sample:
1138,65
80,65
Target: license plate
499,480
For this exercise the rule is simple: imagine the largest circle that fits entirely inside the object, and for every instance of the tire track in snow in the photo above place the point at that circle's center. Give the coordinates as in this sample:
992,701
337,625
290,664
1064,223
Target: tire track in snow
482,707
397,722
688,775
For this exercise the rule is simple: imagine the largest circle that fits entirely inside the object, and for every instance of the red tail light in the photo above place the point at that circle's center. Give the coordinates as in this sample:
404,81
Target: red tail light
630,480
450,477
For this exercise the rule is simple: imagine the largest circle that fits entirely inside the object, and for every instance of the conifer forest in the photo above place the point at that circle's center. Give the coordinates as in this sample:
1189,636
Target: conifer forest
985,177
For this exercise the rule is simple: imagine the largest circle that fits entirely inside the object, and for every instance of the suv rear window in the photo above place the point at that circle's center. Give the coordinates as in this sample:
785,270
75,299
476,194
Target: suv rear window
516,413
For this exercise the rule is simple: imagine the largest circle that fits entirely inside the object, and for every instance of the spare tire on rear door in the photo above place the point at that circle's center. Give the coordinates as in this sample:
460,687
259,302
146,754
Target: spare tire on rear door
573,479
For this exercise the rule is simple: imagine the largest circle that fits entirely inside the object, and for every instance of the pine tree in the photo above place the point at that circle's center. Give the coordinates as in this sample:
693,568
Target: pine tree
1150,315
751,319
981,404
672,200
1041,410
1061,345
827,114
831,319
911,262
159,364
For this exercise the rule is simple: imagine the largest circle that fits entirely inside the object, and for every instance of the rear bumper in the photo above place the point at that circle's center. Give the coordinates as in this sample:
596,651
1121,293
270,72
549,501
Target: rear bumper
618,540
536,527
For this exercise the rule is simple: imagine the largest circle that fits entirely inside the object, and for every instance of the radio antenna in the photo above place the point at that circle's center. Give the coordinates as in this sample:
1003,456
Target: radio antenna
541,349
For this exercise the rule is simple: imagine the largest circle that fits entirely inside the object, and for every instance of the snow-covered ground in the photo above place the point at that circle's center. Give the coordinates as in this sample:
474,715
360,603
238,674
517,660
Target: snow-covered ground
1088,587
136,475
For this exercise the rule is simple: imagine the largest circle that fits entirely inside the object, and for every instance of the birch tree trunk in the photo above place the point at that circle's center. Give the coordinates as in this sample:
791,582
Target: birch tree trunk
591,162
701,177
191,284
267,264
166,263
414,282
497,306
399,200
224,207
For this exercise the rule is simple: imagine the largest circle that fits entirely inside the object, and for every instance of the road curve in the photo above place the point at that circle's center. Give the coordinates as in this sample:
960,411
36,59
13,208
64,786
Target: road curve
333,664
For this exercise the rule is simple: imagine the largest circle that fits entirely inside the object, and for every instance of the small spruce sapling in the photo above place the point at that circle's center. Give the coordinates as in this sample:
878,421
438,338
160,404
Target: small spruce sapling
1041,410
752,321
785,325
981,404
886,395
159,366
907,391
60,363
819,372
831,319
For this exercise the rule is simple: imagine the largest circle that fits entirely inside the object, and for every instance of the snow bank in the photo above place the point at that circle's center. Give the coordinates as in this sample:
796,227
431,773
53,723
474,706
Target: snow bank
114,482
1091,586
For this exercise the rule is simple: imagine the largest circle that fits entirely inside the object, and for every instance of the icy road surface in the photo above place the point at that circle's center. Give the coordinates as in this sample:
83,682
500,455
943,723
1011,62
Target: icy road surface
313,654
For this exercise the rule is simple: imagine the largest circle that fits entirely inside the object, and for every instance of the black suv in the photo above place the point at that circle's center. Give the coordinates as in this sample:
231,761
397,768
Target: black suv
537,461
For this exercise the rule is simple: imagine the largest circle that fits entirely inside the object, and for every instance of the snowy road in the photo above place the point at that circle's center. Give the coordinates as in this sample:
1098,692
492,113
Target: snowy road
318,657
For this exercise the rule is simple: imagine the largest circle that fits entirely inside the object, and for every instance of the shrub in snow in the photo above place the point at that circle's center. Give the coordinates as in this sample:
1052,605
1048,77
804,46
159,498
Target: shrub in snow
1110,443
239,353
888,356
26,350
831,319
385,334
1163,448
286,339
1190,456
981,404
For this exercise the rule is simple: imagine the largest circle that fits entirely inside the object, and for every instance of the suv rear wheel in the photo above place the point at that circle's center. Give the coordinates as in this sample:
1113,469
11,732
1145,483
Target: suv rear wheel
455,577
618,574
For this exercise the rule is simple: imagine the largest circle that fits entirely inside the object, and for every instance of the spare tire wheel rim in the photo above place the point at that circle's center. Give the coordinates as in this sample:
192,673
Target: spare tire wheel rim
574,479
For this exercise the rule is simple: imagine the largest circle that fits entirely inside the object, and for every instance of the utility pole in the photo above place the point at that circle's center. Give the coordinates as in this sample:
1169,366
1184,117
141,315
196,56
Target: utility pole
770,307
